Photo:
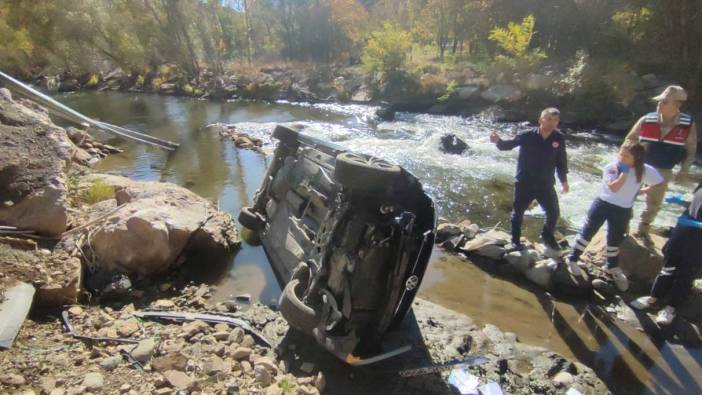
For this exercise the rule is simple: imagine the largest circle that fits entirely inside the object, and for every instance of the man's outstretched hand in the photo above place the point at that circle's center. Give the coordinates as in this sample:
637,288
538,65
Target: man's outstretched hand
494,137
565,188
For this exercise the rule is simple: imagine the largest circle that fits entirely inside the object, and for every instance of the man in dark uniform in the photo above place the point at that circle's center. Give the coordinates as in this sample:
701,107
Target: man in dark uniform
542,153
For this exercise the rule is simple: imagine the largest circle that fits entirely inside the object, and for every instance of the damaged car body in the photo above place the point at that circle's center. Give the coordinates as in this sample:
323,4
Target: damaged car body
349,237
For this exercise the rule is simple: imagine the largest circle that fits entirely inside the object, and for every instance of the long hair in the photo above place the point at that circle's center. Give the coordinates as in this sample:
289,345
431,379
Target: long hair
639,153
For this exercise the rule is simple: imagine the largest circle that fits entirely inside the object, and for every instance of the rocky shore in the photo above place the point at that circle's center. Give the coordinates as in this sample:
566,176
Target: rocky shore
544,267
462,92
103,250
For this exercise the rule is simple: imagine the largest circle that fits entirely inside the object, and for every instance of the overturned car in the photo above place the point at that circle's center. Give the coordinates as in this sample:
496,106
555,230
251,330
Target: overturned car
349,237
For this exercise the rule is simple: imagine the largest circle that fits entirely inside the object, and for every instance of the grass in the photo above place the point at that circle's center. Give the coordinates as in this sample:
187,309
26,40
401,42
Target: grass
98,192
286,386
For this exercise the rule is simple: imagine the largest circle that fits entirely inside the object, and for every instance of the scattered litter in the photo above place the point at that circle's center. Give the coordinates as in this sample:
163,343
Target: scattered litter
244,298
212,318
466,383
491,388
13,311
573,391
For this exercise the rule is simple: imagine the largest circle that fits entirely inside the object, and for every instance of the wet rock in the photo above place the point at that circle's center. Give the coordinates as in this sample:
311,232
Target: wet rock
93,381
144,350
111,363
307,390
446,231
490,244
540,273
179,380
170,217
452,144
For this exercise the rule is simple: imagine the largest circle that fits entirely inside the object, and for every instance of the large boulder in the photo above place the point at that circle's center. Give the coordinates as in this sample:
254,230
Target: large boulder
157,227
34,156
641,263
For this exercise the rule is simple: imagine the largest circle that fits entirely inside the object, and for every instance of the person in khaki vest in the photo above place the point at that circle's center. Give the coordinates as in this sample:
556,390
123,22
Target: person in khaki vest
670,138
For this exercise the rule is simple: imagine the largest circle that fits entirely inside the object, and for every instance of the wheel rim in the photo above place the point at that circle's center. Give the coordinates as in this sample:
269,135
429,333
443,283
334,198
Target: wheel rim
370,161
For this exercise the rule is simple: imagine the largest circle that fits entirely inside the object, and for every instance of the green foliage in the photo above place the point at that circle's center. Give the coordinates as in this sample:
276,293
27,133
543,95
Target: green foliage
386,50
634,21
514,40
98,192
286,386
451,91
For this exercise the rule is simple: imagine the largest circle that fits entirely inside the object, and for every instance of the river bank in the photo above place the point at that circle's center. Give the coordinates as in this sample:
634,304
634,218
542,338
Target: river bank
70,363
458,91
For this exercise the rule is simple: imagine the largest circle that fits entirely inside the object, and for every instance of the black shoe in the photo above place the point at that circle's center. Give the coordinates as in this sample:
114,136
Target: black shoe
550,242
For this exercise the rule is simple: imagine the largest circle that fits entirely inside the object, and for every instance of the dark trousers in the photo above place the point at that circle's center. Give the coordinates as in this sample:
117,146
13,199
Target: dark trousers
680,255
617,219
545,195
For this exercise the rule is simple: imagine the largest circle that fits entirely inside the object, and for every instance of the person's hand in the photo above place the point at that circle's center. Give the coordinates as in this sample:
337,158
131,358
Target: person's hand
645,189
494,137
565,188
681,176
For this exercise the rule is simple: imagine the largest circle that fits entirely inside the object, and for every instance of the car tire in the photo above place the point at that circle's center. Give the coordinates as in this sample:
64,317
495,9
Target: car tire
364,172
286,135
299,315
251,219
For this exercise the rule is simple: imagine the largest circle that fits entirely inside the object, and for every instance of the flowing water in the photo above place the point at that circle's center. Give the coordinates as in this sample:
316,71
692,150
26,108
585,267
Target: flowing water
476,185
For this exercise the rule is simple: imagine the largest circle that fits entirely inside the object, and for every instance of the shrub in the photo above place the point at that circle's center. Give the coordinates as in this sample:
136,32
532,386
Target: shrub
386,50
514,40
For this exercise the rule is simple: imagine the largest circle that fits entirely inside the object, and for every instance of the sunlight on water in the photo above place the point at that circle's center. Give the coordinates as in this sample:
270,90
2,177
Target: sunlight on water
476,184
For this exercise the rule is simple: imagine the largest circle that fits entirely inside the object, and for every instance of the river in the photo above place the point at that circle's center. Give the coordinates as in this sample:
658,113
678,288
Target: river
475,185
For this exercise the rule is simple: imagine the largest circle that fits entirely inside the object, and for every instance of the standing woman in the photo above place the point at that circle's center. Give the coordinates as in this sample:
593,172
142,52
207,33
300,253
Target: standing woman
681,254
622,181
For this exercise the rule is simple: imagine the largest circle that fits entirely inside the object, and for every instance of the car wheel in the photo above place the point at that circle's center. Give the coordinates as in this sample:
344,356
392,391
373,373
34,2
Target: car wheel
364,172
299,315
286,135
251,219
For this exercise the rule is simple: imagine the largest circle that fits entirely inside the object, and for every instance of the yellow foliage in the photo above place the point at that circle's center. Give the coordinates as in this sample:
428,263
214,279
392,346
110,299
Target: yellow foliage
515,40
386,50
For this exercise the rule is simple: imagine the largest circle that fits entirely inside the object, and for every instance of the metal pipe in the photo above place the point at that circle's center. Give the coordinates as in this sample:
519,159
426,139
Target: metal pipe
71,115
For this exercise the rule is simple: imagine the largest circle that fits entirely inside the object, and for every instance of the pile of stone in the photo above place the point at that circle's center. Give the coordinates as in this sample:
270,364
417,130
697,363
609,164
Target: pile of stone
154,357
240,139
88,150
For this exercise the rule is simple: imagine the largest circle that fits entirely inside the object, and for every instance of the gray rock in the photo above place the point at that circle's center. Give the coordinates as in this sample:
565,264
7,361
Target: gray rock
241,353
93,381
110,363
144,350
468,92
446,231
501,93
262,375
